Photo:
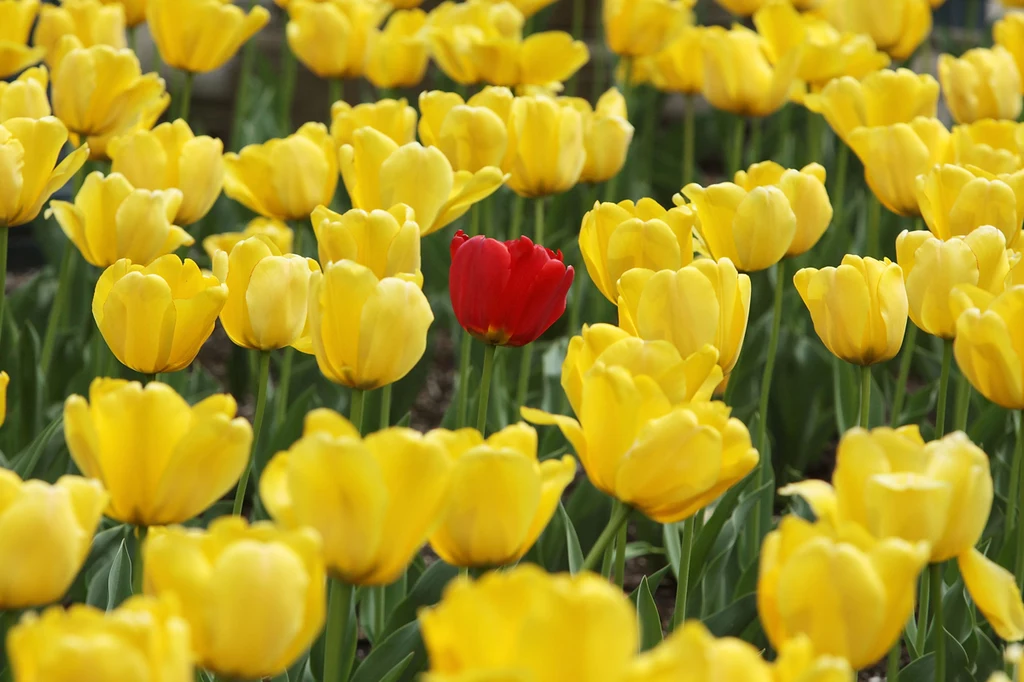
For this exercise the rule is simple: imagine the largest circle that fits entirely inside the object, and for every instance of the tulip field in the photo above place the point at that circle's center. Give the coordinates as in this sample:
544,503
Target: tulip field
511,340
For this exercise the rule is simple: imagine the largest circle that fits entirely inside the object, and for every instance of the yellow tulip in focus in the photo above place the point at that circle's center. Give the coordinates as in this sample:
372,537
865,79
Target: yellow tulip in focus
679,67
393,117
284,178
134,10
895,155
541,59
329,38
738,77
454,28
636,28
143,639
988,346
543,626
240,584
500,498
367,331
111,220
28,161
859,309
49,528
373,500
156,318
277,232
607,134
90,21
896,26
1008,33
616,238
378,173
16,19
5,379
26,96
993,146
982,83
143,118
201,35
546,151
706,302
171,156
387,242
472,135
955,201
397,56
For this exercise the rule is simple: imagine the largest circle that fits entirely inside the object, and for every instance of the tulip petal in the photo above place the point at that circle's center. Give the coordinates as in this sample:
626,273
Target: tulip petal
995,592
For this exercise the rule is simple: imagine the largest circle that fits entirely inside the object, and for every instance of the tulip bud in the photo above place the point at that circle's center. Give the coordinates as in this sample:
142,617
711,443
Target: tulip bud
134,10
982,83
201,35
393,117
329,38
679,67
539,60
90,21
277,232
26,96
546,151
993,146
1008,32
738,77
634,28
954,201
987,348
472,137
397,56
16,20
455,28
896,26
387,242
606,135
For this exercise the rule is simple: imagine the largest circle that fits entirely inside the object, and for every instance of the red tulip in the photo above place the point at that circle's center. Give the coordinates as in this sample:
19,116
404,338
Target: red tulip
506,293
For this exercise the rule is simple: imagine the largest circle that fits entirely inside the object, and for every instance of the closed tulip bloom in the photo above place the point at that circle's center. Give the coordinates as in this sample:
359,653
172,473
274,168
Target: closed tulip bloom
171,156
471,135
134,10
988,346
367,331
738,77
541,59
277,232
91,21
378,173
239,585
679,67
387,242
896,26
1008,32
616,238
859,309
373,500
506,293
454,28
26,96
201,35
28,160
141,118
393,117
607,133
284,178
111,220
882,98
894,155
545,627
330,38
501,498
982,83
993,146
635,28
156,318
397,56
954,202
546,150
16,20
49,528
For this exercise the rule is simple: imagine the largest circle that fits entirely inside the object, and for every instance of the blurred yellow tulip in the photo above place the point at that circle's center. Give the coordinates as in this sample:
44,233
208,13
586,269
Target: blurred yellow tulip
26,96
143,118
274,230
954,201
240,584
134,10
527,7
373,501
706,302
679,66
329,38
1008,32
636,28
387,242
5,379
91,21
144,638
201,35
895,155
29,150
393,117
896,26
981,83
49,528
987,347
616,238
741,8
526,620
500,498
607,134
859,309
284,178
546,152
156,318
993,146
171,156
454,28
543,59
472,135
111,220
16,20
397,56
738,77
367,332
378,173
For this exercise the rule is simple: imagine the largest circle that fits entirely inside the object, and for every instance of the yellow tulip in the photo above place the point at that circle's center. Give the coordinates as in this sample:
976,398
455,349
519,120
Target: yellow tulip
541,59
91,21
679,67
754,228
993,146
49,528
96,89
387,242
454,28
397,4
954,202
284,178
546,152
201,35
706,302
25,97
531,622
143,639
741,8
111,220
738,76
896,26
616,238
393,117
472,135
397,56
274,230
5,379
330,38
156,318
1008,33
367,332
882,98
500,499
28,161
239,585
894,155
373,501
174,462
16,19
134,10
171,156
378,173
982,83
607,133
848,593
635,28
143,118
987,347
859,309
527,7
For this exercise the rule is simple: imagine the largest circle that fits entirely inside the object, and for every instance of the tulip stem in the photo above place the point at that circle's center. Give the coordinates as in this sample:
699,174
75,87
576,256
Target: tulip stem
766,388
813,136
465,357
185,95
485,388
355,409
241,90
335,93
60,300
289,70
683,581
923,597
1012,520
893,668
906,360
938,626
871,246
620,512
1018,465
689,133
526,361
620,555
940,407
839,190
339,608
263,378
516,229
284,381
4,237
865,396
963,403
735,157
137,566
385,406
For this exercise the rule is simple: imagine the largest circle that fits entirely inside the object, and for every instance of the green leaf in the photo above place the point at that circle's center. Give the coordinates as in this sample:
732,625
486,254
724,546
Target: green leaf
26,463
572,542
395,673
119,580
705,540
648,617
401,644
653,582
734,618
425,592
673,546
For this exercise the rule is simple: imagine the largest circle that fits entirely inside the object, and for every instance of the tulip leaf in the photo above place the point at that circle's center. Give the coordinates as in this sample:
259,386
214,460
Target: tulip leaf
705,540
647,616
119,580
425,592
572,541
27,461
673,545
404,643
395,673
734,618
653,582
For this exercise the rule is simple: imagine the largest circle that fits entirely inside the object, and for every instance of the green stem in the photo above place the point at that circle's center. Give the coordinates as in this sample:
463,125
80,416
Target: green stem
754,145
185,95
289,71
937,624
940,407
1012,521
689,133
465,357
813,136
735,159
972,17
1018,463
60,301
865,396
485,388
620,555
578,8
893,667
962,408
355,409
4,237
132,41
766,386
474,219
683,583
263,378
385,406
538,220
339,608
906,360
241,90
149,378
839,190
137,566
516,229
871,242
335,93
284,382
620,512
526,360
923,598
